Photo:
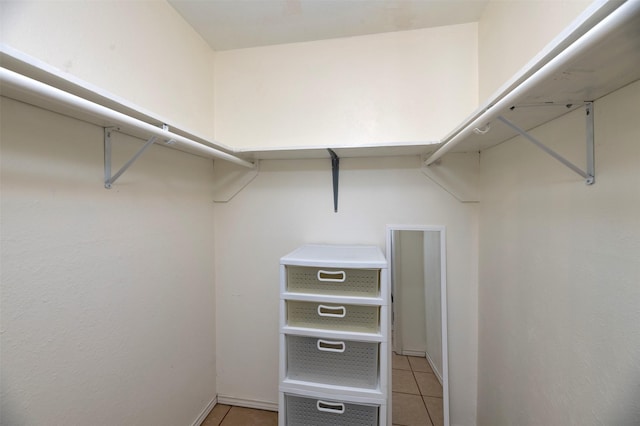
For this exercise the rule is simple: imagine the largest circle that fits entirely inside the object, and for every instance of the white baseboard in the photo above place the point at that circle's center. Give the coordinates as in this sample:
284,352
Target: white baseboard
437,373
205,412
414,353
249,403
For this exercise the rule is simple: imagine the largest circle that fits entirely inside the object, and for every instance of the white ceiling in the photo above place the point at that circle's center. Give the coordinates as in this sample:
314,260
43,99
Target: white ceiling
235,24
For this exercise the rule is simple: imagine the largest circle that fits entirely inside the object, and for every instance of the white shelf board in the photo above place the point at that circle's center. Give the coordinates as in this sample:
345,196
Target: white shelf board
604,67
391,149
35,69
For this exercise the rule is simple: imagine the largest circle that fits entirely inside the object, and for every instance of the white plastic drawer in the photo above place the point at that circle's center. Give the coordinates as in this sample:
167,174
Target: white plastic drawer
343,282
331,316
333,362
304,411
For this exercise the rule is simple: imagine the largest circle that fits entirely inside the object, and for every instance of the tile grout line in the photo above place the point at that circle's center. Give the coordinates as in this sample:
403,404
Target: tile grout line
420,394
413,373
225,415
407,393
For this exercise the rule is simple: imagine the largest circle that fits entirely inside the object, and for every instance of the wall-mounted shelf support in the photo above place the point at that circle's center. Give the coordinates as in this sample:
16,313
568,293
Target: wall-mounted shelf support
109,180
229,179
458,173
589,174
335,170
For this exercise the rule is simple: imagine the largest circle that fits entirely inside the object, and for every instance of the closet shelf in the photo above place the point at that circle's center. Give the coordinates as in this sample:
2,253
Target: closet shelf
598,54
27,66
28,80
343,151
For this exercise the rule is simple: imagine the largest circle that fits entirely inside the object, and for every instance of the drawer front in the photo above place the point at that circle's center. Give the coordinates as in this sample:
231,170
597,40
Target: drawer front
331,281
329,316
333,362
303,411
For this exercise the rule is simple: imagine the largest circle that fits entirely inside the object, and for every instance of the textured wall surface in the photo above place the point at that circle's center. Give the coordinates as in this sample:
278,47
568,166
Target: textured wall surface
512,32
559,293
107,295
395,87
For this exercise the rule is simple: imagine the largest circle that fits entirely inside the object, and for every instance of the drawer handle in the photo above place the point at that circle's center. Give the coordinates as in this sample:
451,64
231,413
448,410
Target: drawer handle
332,276
330,407
329,346
332,311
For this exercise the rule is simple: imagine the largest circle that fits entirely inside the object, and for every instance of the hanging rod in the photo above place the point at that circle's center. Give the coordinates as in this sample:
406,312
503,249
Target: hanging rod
119,119
595,35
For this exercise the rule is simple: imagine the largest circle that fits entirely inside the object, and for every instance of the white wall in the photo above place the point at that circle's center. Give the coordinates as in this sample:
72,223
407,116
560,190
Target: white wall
393,87
559,274
142,51
433,298
290,203
512,32
409,264
107,295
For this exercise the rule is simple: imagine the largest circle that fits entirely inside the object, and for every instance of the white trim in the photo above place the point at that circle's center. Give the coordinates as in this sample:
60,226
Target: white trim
433,368
396,321
419,354
445,333
248,403
203,415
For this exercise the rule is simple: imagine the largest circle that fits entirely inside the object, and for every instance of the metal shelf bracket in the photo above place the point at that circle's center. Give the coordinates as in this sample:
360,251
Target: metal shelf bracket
109,179
590,174
335,170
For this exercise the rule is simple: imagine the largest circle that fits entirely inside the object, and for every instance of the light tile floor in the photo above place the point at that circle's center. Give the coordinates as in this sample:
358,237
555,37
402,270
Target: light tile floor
417,400
417,393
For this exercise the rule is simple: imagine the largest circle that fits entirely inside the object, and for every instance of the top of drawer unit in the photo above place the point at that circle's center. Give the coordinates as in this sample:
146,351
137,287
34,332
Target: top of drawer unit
336,256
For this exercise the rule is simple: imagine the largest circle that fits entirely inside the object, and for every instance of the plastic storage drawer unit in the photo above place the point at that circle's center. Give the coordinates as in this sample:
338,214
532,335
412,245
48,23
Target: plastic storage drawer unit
340,282
304,411
331,316
332,362
334,367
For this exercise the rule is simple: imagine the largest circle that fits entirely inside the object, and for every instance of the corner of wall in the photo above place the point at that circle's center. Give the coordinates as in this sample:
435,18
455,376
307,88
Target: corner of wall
143,52
510,33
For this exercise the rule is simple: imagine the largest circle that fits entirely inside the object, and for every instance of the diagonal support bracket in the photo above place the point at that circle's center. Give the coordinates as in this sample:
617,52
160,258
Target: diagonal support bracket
108,178
589,174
